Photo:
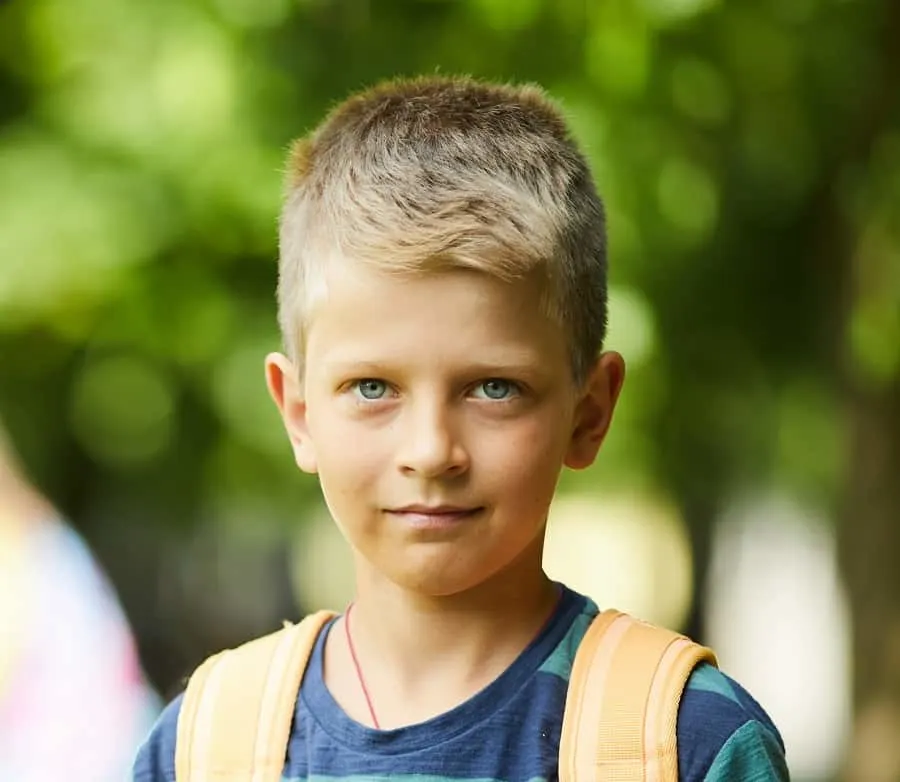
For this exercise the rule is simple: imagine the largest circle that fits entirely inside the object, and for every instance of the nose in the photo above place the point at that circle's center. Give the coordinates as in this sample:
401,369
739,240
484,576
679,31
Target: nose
430,443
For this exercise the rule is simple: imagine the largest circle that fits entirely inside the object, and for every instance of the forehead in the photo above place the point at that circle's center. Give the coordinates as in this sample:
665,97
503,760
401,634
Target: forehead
458,316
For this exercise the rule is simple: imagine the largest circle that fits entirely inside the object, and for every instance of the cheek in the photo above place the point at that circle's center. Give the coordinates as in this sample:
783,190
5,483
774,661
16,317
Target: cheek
527,458
345,455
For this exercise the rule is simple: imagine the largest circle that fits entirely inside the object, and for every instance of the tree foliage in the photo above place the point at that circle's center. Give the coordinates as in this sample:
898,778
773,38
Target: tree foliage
748,152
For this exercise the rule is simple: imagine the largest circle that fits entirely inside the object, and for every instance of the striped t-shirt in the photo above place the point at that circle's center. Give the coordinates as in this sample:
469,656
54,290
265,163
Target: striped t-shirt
509,731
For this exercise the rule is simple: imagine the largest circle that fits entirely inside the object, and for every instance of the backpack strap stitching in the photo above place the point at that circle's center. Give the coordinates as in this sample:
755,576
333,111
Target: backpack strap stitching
267,732
586,686
193,719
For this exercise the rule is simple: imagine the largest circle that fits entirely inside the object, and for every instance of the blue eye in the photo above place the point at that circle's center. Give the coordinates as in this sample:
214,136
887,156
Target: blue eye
497,389
370,389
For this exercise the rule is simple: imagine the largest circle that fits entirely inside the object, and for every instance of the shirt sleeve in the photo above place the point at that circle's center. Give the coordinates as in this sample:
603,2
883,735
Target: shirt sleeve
752,754
724,734
155,761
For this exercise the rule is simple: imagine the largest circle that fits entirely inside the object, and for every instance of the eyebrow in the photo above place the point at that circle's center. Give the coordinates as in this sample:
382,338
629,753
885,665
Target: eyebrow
511,363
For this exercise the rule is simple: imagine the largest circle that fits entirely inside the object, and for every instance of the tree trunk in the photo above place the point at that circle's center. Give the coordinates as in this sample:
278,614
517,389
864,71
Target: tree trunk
869,516
870,557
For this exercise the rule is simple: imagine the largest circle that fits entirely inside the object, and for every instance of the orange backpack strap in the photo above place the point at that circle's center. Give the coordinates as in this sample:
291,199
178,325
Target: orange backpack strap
235,719
622,703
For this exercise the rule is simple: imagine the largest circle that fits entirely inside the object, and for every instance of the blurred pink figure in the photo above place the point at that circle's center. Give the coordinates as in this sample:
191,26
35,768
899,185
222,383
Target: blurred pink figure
74,704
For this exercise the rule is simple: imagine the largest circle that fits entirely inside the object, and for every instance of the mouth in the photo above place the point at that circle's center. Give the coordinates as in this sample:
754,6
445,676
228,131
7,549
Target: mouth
434,516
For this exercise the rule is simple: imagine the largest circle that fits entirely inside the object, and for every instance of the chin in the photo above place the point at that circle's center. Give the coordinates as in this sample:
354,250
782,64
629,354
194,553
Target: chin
430,582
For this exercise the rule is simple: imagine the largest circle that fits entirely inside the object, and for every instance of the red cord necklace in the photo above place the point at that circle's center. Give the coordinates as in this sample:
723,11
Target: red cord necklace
359,674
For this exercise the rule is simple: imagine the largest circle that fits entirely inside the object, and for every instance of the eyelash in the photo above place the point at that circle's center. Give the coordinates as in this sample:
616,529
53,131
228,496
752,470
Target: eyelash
355,385
515,389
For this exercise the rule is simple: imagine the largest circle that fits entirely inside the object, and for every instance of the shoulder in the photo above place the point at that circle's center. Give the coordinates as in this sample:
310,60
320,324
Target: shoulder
723,733
155,761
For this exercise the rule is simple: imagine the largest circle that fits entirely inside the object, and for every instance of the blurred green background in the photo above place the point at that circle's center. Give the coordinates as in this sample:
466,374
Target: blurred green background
749,155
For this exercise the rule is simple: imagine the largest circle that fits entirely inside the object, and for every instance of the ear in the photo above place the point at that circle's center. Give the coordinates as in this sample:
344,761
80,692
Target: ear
594,411
283,380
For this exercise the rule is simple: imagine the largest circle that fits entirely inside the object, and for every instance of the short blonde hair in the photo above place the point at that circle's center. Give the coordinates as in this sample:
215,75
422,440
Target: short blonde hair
427,174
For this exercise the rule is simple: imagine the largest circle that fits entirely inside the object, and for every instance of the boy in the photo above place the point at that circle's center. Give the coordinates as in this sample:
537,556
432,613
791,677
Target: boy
442,299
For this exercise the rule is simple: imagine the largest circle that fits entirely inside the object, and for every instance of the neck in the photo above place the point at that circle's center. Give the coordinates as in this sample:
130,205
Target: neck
417,633
422,655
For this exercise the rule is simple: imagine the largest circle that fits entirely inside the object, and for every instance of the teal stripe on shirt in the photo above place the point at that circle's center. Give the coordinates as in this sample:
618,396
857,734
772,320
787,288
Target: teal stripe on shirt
752,754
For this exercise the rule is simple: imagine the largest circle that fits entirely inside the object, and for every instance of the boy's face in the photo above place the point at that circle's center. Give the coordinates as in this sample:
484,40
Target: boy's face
438,412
